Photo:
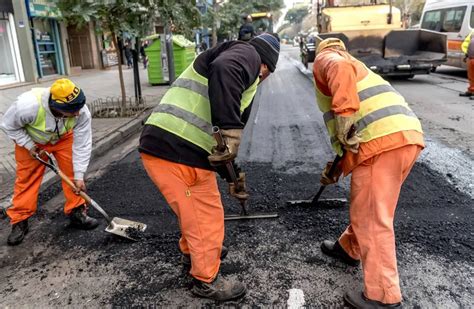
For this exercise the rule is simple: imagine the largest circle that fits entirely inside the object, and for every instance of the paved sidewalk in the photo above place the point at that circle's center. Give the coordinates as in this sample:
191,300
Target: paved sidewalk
105,131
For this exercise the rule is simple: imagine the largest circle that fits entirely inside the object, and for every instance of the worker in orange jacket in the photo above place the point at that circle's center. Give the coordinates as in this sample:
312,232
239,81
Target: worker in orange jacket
379,155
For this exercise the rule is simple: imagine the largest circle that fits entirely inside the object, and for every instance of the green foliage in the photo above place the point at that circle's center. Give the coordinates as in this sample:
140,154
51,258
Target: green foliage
230,13
296,15
132,16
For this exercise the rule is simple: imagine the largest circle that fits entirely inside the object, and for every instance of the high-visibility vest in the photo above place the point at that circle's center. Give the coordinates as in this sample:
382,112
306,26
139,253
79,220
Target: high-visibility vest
37,129
185,109
465,44
382,111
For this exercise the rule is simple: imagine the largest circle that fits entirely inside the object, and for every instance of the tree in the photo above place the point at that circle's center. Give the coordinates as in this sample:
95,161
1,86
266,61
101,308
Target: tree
296,15
131,16
115,16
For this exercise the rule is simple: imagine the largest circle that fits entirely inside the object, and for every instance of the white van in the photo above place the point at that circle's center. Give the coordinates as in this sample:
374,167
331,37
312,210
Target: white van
453,17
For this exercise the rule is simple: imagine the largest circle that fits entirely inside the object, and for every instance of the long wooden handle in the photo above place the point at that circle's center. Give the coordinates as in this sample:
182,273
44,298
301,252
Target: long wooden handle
72,185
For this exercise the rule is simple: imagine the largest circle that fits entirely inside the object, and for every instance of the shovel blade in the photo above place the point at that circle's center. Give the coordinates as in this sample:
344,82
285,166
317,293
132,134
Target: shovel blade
322,203
126,228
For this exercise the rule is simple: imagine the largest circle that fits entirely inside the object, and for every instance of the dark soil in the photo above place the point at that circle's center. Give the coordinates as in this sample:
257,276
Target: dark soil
433,217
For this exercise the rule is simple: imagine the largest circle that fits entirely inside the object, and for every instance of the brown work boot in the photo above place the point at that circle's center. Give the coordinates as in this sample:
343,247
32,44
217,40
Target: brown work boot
335,250
186,258
80,219
357,299
220,289
19,230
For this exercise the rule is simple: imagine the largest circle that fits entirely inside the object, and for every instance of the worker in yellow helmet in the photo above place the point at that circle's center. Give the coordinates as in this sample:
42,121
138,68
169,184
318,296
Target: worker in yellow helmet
55,120
467,48
379,155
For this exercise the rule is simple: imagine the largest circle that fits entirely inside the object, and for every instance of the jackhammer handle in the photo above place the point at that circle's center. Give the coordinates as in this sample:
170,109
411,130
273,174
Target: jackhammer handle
221,146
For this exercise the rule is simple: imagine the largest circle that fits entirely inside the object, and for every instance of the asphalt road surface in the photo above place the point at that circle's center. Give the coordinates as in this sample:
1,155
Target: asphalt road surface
284,148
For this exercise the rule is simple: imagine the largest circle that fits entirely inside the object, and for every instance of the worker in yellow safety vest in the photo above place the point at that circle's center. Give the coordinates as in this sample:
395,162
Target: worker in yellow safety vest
55,120
467,48
179,154
380,155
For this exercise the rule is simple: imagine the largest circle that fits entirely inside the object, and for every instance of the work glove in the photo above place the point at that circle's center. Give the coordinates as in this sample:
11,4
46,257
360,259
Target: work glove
239,193
327,179
232,140
35,150
343,129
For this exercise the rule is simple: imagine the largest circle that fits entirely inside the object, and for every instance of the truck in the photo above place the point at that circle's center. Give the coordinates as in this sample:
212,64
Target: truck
373,33
455,18
262,22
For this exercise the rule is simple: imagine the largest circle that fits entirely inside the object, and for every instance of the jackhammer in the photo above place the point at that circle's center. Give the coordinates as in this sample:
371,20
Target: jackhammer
222,147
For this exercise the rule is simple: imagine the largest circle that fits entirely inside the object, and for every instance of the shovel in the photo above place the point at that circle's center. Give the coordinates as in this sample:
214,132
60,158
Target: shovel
315,201
118,226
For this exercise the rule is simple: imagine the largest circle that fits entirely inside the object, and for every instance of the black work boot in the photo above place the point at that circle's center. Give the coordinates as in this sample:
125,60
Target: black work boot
466,94
335,250
358,300
80,219
220,289
186,258
19,230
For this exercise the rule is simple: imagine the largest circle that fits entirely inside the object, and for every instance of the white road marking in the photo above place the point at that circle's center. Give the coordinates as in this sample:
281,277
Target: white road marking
296,299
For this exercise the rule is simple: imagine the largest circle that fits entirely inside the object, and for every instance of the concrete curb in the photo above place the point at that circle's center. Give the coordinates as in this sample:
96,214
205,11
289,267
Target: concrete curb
98,149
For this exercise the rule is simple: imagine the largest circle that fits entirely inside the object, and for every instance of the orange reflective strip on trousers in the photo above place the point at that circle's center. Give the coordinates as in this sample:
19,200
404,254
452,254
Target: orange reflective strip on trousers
29,174
470,74
194,197
375,188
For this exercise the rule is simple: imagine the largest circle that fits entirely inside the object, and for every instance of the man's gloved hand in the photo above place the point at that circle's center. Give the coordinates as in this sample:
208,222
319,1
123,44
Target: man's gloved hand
327,179
232,139
80,186
343,128
35,150
239,193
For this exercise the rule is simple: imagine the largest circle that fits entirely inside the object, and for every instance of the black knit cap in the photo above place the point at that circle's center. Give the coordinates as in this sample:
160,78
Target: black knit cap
268,47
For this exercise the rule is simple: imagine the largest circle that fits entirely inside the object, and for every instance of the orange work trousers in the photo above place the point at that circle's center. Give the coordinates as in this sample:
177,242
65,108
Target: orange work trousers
29,174
470,74
194,197
375,188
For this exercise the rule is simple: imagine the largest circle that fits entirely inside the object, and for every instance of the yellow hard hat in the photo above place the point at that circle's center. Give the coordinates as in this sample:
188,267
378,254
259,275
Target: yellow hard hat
330,42
66,96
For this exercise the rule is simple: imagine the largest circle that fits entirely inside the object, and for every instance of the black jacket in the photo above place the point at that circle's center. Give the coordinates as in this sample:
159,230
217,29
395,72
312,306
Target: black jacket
230,68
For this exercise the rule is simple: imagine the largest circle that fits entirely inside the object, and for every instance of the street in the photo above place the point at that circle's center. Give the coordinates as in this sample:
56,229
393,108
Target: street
284,149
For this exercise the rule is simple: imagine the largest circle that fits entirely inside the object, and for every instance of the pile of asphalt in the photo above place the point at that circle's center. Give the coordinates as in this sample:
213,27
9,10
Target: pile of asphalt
432,217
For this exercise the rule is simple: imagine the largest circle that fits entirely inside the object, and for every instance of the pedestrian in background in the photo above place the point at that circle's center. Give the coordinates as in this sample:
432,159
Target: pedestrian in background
128,55
143,54
178,150
380,155
55,120
467,48
246,31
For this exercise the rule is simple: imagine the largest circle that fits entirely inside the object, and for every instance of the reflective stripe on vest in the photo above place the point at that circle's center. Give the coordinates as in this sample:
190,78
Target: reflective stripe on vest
37,130
382,111
185,109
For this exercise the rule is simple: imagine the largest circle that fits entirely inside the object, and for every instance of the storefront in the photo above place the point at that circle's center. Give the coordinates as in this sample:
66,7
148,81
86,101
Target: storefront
11,70
43,16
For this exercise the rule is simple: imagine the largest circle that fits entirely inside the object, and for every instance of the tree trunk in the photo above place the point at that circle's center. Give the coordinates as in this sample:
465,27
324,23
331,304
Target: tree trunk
123,106
214,23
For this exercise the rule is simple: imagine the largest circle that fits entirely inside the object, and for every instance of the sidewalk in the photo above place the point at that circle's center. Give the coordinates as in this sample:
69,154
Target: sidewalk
105,131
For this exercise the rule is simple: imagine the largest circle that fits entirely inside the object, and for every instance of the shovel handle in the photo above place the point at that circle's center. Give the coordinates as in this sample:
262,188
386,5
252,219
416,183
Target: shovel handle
84,195
72,185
